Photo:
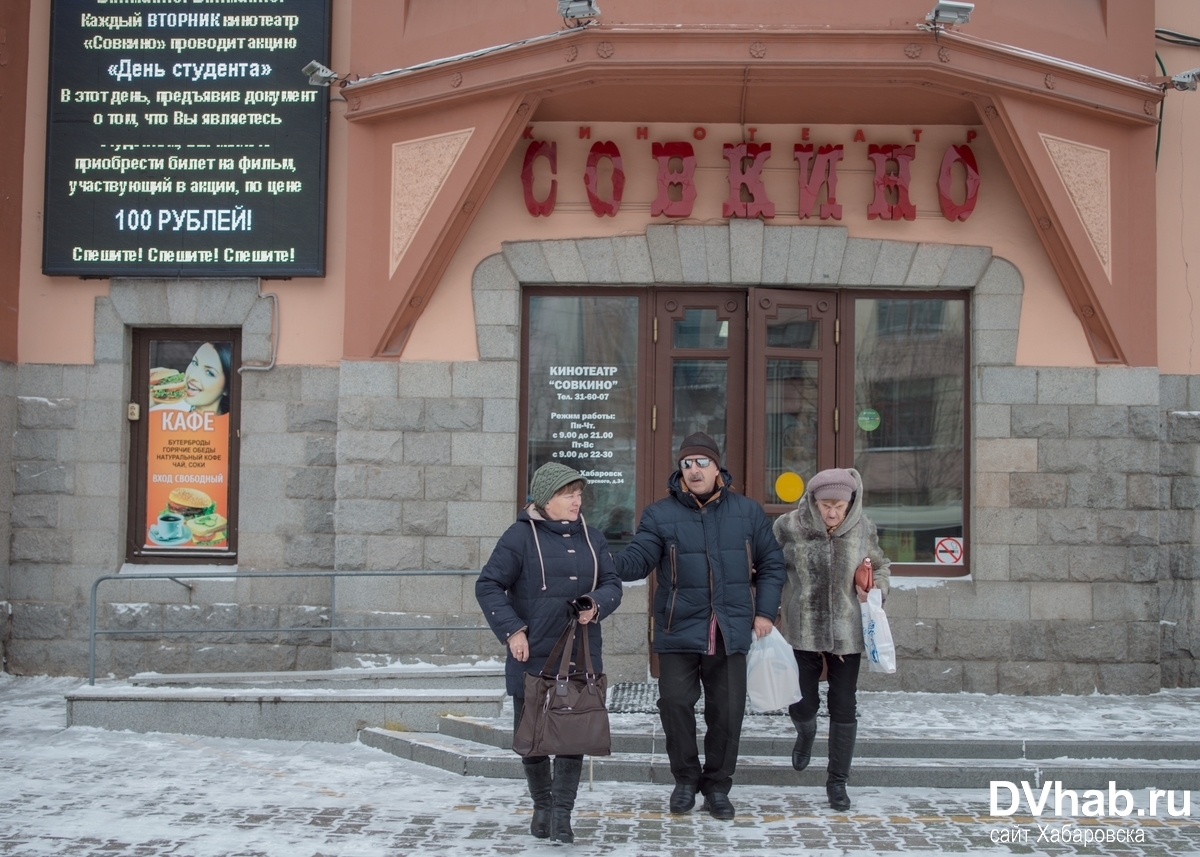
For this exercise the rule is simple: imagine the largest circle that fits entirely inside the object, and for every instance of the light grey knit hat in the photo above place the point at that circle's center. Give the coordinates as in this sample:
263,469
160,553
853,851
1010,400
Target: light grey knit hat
833,484
549,478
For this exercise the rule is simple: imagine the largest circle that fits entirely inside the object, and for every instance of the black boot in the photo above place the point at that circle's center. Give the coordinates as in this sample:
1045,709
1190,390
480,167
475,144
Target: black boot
841,754
806,733
538,776
566,785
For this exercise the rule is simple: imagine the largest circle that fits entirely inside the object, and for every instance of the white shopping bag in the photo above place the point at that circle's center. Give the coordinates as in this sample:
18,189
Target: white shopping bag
881,651
772,677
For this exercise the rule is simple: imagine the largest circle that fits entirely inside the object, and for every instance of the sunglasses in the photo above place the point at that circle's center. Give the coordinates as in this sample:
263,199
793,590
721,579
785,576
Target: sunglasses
686,463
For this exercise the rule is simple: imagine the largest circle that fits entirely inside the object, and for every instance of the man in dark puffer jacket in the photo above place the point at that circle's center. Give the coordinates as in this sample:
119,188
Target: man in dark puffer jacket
713,549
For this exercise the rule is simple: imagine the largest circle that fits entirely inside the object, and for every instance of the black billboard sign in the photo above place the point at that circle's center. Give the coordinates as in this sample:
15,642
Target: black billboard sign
183,139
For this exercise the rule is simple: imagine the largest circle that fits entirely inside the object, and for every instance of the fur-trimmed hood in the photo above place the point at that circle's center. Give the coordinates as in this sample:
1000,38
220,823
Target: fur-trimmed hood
820,607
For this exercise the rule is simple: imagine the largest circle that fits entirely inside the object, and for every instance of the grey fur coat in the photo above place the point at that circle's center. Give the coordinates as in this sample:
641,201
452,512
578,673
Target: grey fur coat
820,607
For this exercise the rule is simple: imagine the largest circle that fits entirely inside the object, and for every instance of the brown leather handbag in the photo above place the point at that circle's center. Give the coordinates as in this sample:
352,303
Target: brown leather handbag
565,712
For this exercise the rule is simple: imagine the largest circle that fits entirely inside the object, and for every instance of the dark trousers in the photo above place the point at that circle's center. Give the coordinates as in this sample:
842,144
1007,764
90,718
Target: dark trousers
843,683
518,707
723,678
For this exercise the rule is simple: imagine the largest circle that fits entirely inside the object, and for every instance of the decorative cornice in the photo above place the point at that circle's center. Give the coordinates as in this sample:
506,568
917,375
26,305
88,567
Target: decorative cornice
651,55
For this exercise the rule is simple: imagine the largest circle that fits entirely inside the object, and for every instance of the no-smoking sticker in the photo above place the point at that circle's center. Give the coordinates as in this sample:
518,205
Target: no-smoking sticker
948,550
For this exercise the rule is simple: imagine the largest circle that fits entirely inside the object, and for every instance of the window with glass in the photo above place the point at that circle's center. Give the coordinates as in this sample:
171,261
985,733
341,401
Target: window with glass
788,382
909,424
581,400
184,446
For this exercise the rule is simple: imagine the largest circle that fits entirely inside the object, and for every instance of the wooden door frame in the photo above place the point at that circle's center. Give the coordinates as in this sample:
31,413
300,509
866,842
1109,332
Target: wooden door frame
728,303
845,386
135,550
764,304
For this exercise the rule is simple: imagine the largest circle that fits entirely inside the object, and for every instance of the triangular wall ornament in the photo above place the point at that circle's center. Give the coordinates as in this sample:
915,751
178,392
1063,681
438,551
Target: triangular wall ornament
419,169
1084,171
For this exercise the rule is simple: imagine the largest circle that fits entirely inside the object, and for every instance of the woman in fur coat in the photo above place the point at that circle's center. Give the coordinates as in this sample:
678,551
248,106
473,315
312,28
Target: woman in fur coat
826,540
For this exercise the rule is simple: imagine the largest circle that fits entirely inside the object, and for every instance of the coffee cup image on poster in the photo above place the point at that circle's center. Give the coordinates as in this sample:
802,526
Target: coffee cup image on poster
187,472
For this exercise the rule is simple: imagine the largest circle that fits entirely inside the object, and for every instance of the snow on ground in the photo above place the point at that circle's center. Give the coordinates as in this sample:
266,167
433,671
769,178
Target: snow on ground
85,792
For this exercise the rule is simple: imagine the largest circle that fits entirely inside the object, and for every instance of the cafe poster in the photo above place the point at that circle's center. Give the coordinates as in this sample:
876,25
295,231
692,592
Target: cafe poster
188,445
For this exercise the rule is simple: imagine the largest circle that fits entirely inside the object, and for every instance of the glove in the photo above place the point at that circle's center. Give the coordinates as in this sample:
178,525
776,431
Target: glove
580,605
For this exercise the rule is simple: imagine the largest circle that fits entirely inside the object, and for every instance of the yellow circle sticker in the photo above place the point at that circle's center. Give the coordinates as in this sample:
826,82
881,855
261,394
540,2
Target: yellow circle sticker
789,486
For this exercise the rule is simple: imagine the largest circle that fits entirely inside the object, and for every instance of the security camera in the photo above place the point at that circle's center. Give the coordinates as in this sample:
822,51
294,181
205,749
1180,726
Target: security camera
319,75
577,9
948,12
1185,81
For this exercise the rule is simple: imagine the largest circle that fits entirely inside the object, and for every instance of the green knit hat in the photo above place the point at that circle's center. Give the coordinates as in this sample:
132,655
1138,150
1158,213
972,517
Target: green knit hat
548,479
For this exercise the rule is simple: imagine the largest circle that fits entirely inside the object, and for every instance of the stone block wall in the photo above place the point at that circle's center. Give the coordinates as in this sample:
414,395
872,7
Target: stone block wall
8,421
1082,542
67,526
271,607
1069,543
1179,532
69,494
288,467
426,457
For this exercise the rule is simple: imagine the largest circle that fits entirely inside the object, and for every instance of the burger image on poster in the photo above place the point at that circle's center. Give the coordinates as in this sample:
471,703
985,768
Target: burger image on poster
203,386
190,503
166,385
185,507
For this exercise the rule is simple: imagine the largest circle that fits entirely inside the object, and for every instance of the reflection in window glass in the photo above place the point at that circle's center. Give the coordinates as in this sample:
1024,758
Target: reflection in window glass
791,422
792,329
909,421
701,397
700,328
582,401
910,318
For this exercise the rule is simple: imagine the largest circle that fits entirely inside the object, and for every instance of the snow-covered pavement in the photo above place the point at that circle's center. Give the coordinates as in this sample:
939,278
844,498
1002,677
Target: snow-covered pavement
88,792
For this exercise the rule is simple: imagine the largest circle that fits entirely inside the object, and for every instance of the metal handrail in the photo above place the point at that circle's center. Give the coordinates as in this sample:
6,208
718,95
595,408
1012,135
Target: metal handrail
93,632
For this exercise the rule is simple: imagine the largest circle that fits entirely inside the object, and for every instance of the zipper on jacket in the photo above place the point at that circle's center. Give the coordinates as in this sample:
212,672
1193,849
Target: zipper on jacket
674,588
832,589
750,578
713,622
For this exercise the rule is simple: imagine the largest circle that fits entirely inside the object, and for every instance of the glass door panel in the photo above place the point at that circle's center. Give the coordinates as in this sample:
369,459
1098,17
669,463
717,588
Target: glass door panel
792,328
700,372
700,400
700,328
790,421
791,425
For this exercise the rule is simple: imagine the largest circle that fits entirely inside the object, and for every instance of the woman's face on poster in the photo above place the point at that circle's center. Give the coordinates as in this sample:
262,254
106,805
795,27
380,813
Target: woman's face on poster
205,379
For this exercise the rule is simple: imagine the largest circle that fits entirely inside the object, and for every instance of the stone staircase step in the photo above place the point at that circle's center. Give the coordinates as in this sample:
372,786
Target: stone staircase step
395,676
317,714
472,758
497,732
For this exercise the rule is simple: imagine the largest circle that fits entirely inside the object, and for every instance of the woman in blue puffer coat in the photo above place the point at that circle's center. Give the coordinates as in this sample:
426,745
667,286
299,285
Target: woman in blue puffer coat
545,568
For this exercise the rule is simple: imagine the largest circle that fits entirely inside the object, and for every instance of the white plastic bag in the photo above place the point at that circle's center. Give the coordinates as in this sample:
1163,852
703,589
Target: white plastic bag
881,651
772,677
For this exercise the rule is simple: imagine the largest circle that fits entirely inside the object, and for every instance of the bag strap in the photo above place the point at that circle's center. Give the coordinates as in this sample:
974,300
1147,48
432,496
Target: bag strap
586,653
561,652
563,649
